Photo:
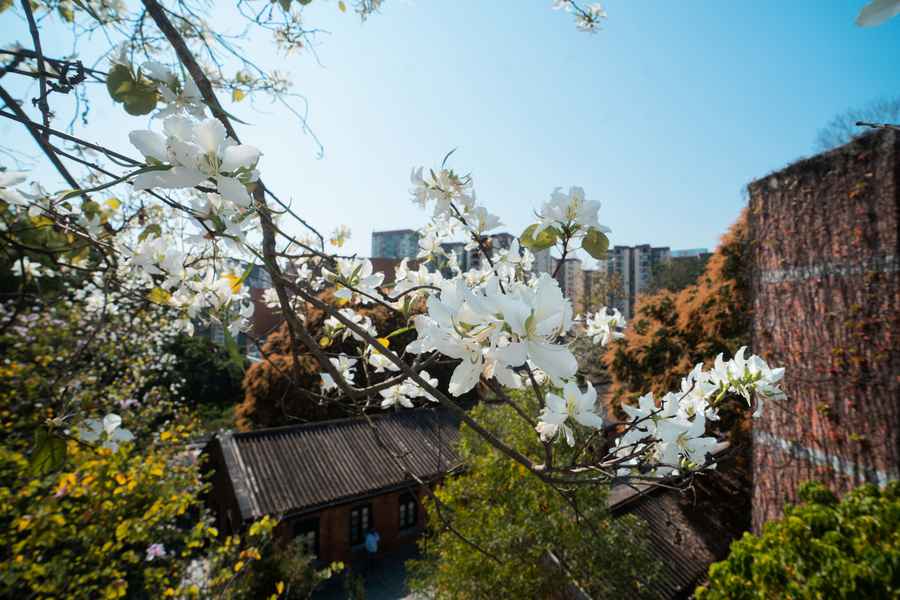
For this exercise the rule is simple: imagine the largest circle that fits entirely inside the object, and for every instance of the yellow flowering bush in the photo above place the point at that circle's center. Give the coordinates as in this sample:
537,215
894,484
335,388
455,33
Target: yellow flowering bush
98,520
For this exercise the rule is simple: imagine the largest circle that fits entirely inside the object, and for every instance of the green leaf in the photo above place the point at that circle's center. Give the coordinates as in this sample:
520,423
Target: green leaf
118,81
141,101
285,4
49,453
233,352
245,275
595,243
543,241
152,229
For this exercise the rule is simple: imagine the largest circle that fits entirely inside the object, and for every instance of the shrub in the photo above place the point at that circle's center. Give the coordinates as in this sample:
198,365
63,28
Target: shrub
91,521
822,548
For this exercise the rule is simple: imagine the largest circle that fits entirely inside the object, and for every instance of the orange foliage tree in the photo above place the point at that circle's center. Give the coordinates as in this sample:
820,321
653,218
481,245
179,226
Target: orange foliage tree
671,332
275,394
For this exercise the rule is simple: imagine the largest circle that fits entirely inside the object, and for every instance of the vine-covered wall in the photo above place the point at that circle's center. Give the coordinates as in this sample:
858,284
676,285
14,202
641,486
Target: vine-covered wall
825,303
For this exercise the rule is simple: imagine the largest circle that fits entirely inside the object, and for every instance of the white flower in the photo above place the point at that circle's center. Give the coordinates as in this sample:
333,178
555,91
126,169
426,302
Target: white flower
345,368
696,390
746,375
155,551
30,269
110,427
574,405
334,328
570,210
8,180
395,395
538,316
270,299
358,274
196,152
681,438
414,390
458,325
603,327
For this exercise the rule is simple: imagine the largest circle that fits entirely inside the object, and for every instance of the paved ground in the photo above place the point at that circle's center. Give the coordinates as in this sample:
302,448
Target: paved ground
385,579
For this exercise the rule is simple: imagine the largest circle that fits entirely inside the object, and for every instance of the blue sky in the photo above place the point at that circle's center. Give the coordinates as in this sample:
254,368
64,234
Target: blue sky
664,116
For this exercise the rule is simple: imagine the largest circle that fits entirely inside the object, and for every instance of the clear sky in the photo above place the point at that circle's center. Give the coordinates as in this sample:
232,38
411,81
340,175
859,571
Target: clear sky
664,116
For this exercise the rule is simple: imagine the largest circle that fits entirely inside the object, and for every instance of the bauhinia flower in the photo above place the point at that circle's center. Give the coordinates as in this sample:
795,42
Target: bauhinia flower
345,367
195,152
357,274
110,429
395,395
403,393
178,97
681,443
603,327
574,406
746,375
537,317
570,211
8,181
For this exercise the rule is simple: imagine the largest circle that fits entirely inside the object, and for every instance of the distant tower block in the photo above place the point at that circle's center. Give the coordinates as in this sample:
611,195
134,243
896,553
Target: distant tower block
825,300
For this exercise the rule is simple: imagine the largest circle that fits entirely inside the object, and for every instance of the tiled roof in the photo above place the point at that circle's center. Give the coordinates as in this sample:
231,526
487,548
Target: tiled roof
298,468
687,531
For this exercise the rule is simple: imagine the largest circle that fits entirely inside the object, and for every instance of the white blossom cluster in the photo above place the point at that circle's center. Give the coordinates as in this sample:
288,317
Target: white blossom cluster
603,327
669,438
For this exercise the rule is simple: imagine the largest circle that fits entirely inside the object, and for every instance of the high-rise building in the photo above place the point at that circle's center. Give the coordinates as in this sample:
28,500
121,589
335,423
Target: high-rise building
630,269
543,262
397,243
595,288
690,253
493,242
571,281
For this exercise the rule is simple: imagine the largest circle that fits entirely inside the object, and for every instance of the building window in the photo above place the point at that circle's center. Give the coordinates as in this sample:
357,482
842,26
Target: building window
360,522
306,532
408,511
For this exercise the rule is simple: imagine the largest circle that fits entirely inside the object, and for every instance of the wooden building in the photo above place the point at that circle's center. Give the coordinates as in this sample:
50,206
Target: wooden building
329,482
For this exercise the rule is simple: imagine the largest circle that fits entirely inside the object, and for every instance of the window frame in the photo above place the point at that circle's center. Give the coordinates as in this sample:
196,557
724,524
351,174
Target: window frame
410,502
304,526
361,530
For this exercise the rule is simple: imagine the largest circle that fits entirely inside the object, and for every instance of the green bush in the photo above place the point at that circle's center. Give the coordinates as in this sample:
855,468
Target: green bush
822,548
210,377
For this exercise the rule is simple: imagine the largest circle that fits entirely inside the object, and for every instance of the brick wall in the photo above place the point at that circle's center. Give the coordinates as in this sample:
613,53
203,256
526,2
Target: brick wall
825,302
334,527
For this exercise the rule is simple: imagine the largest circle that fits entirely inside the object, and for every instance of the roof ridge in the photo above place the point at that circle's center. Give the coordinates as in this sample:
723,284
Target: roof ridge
339,421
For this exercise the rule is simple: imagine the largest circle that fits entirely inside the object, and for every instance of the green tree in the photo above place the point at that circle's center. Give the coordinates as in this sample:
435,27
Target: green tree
822,548
211,381
496,528
678,273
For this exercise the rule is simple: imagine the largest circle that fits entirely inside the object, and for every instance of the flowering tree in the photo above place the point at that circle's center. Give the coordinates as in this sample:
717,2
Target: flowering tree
191,198
97,510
